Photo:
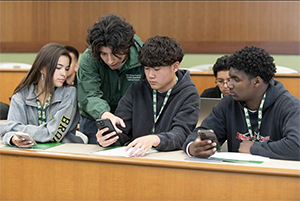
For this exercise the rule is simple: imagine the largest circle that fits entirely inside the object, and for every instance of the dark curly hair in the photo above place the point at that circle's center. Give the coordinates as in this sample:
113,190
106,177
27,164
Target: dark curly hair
254,61
221,65
111,31
160,51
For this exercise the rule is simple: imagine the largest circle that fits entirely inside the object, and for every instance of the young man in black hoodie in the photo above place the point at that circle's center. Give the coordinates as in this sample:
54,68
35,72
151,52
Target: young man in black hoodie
161,110
259,116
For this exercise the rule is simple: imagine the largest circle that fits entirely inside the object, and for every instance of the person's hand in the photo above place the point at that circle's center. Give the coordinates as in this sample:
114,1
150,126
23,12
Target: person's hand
21,142
114,120
103,139
141,145
245,146
202,148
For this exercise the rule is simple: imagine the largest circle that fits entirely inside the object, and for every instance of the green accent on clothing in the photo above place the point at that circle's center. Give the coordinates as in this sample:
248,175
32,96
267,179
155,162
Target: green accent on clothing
42,110
100,88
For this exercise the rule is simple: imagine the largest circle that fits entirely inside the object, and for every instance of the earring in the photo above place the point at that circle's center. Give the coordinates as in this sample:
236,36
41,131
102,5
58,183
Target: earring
42,76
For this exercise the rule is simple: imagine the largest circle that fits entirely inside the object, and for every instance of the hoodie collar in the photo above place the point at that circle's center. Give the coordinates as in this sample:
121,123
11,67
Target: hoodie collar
274,90
31,97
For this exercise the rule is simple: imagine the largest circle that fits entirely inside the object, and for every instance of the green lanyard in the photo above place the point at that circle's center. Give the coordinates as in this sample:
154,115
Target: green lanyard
162,107
42,110
258,119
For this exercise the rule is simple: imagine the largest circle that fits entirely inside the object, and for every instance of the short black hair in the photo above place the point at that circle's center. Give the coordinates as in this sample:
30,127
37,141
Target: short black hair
254,61
221,65
160,51
110,31
73,50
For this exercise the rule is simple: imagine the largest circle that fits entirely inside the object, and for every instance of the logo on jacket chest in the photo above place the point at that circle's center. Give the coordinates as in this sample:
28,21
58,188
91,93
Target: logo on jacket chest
246,136
133,77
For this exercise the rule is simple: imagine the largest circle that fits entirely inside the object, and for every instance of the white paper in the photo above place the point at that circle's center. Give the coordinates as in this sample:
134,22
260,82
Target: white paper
238,157
120,151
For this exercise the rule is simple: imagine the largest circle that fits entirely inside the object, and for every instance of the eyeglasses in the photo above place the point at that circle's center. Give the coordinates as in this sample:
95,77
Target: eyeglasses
222,82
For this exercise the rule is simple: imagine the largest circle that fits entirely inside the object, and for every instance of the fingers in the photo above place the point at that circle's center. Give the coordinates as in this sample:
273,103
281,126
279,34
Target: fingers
206,154
132,147
117,130
25,144
22,142
109,142
104,140
119,121
114,119
137,149
122,123
141,152
202,148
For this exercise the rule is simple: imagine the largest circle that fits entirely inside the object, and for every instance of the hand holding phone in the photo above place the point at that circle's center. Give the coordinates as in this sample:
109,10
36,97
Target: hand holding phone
208,135
24,139
106,123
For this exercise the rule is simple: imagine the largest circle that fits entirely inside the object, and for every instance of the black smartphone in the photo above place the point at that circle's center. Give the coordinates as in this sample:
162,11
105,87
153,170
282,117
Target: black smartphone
209,135
103,123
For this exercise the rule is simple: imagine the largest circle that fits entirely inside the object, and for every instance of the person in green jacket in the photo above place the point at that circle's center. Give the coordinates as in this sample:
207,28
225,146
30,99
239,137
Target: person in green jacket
107,68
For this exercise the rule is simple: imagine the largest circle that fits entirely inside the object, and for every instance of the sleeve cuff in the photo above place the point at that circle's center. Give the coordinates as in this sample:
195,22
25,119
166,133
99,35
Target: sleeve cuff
187,149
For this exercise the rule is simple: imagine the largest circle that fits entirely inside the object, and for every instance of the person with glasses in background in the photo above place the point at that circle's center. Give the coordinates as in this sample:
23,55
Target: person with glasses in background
221,73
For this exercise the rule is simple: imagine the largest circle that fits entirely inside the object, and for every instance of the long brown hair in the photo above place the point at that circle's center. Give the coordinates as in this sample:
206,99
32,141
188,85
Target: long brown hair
46,58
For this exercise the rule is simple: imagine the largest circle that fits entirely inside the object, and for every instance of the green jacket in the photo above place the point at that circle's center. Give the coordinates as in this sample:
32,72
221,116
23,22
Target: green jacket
100,88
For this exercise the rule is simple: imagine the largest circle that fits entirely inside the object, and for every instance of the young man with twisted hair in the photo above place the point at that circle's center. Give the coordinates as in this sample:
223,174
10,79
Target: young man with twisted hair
259,116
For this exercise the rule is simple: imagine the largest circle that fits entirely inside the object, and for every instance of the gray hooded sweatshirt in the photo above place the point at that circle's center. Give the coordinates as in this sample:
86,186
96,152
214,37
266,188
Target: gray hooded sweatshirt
62,117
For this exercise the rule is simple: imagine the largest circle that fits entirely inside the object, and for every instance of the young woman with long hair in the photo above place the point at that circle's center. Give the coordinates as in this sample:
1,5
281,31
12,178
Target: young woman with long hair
43,105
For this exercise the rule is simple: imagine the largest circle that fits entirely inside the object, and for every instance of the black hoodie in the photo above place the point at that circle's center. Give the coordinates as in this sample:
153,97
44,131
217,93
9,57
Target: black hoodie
177,120
281,122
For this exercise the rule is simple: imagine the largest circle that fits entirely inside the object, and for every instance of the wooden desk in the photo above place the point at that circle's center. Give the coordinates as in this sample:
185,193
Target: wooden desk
206,79
69,172
9,80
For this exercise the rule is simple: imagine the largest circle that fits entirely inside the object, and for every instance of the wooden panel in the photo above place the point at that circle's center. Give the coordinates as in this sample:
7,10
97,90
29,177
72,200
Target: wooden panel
57,176
291,83
9,80
273,47
201,26
203,80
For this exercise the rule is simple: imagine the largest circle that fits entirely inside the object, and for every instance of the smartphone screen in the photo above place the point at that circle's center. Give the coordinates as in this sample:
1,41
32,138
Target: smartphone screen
106,123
